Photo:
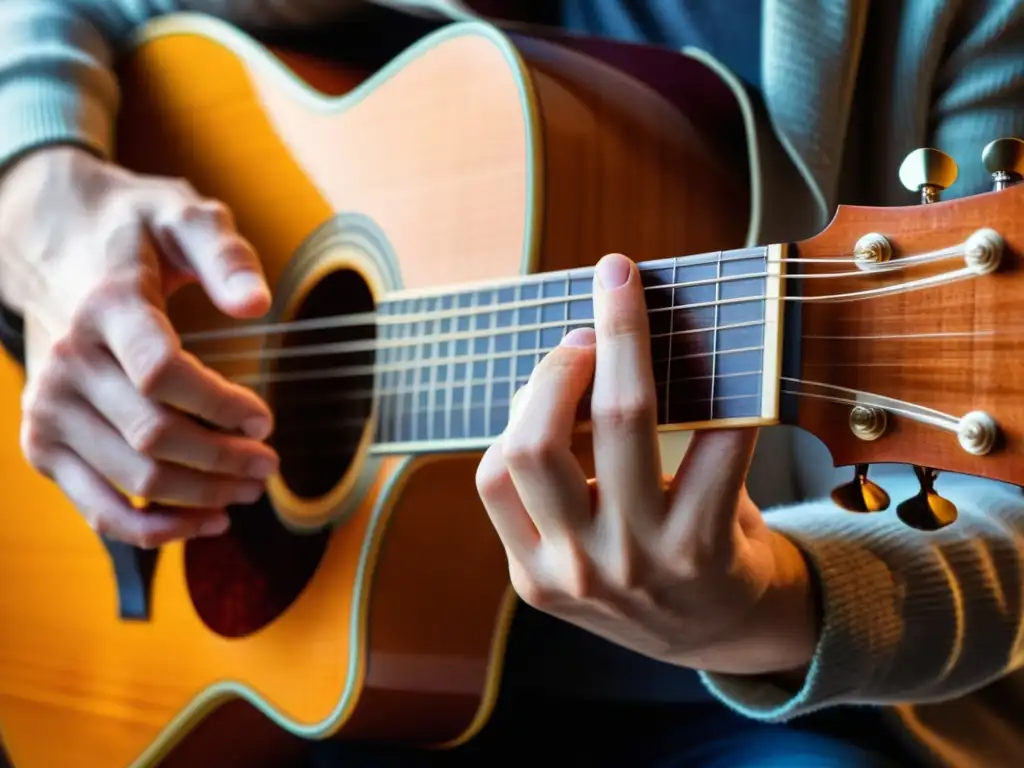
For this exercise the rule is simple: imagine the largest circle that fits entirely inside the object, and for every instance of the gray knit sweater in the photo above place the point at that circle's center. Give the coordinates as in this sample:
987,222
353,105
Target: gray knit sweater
927,625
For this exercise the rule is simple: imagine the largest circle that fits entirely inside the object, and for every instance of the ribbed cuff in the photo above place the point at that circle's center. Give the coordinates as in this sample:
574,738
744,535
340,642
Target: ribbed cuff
860,629
36,113
907,615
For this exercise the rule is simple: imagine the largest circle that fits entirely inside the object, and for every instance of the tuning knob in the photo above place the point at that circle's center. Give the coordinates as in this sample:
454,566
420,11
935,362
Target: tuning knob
927,511
1004,160
860,494
928,171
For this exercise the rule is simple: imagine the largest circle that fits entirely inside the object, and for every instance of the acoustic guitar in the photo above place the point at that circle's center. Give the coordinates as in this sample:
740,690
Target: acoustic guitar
429,231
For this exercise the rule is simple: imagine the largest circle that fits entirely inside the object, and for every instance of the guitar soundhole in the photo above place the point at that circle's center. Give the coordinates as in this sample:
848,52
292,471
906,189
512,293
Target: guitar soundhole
323,396
243,580
321,393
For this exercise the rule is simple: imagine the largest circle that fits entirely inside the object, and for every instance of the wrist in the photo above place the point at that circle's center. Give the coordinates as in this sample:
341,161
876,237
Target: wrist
779,635
792,613
788,617
25,181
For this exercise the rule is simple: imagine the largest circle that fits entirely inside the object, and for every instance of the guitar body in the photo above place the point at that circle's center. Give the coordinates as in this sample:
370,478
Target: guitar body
367,597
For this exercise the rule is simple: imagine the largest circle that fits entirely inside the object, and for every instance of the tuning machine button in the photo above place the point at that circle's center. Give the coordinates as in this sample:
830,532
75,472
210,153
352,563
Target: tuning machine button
927,511
1004,160
928,171
860,494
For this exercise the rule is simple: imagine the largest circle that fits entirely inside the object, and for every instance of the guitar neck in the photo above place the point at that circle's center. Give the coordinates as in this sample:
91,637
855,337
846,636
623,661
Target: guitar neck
448,364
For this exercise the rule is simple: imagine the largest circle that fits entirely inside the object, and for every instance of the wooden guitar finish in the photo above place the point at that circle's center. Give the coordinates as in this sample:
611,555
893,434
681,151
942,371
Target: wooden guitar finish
456,198
367,596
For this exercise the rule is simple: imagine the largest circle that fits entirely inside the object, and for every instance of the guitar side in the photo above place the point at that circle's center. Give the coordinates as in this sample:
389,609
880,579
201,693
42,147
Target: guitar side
366,597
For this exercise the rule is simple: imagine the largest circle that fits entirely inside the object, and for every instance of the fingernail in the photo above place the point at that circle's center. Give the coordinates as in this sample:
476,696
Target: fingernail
249,493
579,337
215,526
243,286
613,271
257,427
262,468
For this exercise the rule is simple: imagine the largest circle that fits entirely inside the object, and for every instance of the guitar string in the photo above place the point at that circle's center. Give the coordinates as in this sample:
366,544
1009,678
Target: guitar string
367,319
344,371
359,423
370,369
406,343
411,342
909,410
416,390
363,395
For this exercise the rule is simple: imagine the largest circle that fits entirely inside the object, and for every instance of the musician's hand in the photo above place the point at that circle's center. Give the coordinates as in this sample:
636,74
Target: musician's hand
90,252
686,571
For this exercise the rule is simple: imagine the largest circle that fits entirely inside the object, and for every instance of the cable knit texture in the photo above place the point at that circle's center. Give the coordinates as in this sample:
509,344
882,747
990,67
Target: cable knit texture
932,618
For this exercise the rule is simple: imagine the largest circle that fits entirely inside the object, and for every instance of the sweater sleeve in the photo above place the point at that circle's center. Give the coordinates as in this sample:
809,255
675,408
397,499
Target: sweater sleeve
909,616
912,617
57,84
56,81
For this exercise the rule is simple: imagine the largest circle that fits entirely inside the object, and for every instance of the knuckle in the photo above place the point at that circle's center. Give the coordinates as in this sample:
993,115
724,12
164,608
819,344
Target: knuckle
101,523
219,493
148,432
206,211
182,188
154,357
34,445
492,479
146,480
525,451
624,410
223,458
147,539
531,590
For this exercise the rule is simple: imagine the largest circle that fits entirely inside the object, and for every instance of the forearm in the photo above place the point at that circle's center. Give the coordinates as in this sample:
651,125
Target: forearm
907,615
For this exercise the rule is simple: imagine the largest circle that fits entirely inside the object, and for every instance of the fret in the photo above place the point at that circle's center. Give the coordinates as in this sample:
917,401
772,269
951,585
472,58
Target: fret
666,379
452,371
527,354
551,313
483,338
503,382
714,335
399,356
385,354
451,324
739,362
466,324
426,334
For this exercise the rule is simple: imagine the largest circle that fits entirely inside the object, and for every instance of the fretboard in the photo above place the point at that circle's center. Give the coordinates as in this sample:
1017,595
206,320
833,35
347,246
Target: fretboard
448,365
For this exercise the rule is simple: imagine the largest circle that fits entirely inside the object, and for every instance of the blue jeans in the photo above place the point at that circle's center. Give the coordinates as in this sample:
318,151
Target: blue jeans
616,735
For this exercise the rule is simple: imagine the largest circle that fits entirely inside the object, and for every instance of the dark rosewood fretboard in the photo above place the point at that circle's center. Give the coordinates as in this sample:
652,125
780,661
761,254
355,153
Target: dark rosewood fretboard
448,365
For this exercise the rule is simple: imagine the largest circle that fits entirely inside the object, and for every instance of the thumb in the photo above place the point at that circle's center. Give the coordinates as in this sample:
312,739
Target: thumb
199,237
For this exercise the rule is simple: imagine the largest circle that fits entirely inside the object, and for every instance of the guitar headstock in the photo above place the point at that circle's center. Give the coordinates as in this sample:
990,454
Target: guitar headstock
911,323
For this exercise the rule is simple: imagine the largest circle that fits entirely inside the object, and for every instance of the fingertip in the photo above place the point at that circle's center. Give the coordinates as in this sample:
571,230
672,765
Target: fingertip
215,525
258,427
246,295
613,271
580,338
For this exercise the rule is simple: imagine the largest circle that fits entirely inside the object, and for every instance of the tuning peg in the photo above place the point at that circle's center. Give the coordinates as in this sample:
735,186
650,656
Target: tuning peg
927,511
860,494
928,171
1004,160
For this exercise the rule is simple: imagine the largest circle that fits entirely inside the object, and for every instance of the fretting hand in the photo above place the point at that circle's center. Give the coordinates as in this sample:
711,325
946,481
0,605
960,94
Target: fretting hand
686,571
90,252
